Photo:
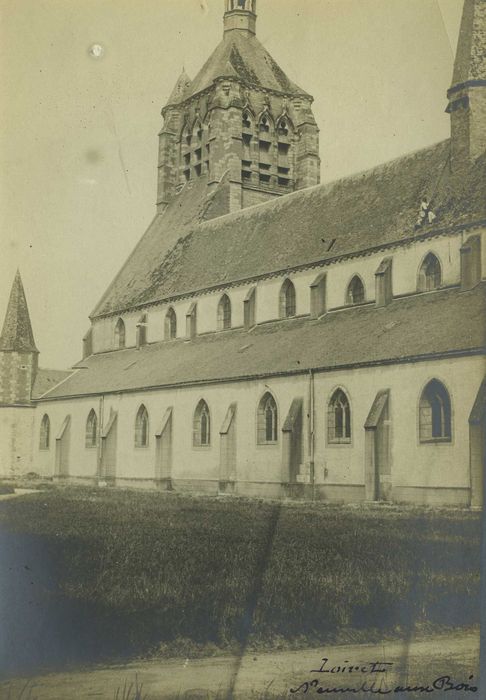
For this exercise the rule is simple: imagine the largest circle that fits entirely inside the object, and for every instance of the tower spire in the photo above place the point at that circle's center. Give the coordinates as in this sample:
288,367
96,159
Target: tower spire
17,335
467,94
240,15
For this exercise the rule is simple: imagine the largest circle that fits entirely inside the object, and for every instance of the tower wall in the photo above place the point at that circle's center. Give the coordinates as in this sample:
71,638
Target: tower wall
17,376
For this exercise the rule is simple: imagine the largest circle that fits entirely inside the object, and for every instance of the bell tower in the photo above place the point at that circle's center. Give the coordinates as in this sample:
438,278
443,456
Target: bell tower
240,125
467,94
241,15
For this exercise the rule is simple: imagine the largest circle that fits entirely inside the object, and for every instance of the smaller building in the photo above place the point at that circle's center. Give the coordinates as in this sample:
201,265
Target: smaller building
21,383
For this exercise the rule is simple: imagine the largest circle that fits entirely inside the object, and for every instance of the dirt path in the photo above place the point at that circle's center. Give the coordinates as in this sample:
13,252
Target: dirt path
263,675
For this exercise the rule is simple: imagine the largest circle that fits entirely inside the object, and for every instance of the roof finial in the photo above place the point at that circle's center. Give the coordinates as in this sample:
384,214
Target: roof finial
240,15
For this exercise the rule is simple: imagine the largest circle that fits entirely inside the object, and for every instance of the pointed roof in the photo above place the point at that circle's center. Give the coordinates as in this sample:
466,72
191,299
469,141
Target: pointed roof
17,332
178,94
243,56
470,63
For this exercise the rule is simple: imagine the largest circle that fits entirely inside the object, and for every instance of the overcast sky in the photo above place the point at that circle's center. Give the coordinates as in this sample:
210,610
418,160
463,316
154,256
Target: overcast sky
78,148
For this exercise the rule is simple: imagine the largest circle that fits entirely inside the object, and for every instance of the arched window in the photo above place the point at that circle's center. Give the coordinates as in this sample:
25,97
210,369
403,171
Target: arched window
141,427
198,130
170,324
265,124
435,413
224,313
430,274
45,433
287,300
246,120
283,127
91,429
355,293
120,334
339,418
201,434
267,420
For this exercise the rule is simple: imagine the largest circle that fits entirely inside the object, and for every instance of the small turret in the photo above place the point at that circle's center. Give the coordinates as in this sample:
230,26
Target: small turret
18,353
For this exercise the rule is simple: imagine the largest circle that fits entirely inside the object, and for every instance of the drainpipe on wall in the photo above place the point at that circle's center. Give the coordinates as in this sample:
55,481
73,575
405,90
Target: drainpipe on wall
100,439
311,432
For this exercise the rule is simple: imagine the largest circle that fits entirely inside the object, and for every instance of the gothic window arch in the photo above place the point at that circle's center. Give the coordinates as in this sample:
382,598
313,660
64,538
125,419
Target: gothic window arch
201,433
287,299
224,313
339,418
435,414
284,126
45,433
198,130
265,124
91,436
120,338
430,273
170,330
267,420
142,427
246,119
355,293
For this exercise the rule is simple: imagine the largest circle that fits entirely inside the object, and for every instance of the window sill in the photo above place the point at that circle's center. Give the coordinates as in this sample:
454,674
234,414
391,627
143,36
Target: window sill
141,447
437,441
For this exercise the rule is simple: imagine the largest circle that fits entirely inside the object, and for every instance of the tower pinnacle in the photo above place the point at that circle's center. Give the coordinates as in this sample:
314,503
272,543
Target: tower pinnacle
240,15
17,332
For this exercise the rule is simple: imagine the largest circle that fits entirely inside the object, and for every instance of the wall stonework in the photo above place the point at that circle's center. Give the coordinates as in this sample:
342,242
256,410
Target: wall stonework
429,473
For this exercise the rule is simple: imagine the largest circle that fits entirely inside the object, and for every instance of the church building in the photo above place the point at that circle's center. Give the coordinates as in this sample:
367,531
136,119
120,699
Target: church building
270,336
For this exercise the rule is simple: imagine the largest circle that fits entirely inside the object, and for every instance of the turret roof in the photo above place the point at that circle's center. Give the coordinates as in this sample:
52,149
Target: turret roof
470,64
181,88
17,332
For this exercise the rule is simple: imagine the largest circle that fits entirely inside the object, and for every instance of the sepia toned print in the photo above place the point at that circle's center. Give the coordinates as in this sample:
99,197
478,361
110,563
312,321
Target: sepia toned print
264,477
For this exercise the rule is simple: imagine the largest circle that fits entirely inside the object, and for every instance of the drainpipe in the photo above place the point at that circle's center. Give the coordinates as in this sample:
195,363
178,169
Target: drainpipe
311,432
100,433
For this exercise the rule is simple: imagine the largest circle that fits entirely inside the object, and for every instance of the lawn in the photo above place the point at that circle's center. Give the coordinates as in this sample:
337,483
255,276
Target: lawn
137,573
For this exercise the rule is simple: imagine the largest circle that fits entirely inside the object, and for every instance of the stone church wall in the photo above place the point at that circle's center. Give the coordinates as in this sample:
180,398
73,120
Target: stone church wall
430,473
406,262
16,426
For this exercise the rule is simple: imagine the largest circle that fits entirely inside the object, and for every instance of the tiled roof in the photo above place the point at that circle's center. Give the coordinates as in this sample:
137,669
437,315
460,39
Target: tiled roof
181,252
47,379
17,332
441,322
244,57
470,63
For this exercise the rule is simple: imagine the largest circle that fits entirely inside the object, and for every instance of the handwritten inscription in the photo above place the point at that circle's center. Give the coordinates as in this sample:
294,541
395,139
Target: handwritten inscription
374,683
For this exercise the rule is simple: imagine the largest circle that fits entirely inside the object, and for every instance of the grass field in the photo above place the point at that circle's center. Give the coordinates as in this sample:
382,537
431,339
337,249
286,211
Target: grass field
139,573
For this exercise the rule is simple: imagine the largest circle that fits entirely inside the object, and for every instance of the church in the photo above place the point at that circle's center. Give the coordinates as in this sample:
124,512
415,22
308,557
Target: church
270,336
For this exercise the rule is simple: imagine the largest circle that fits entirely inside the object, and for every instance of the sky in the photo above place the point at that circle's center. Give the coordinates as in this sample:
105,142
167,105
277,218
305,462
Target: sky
78,144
